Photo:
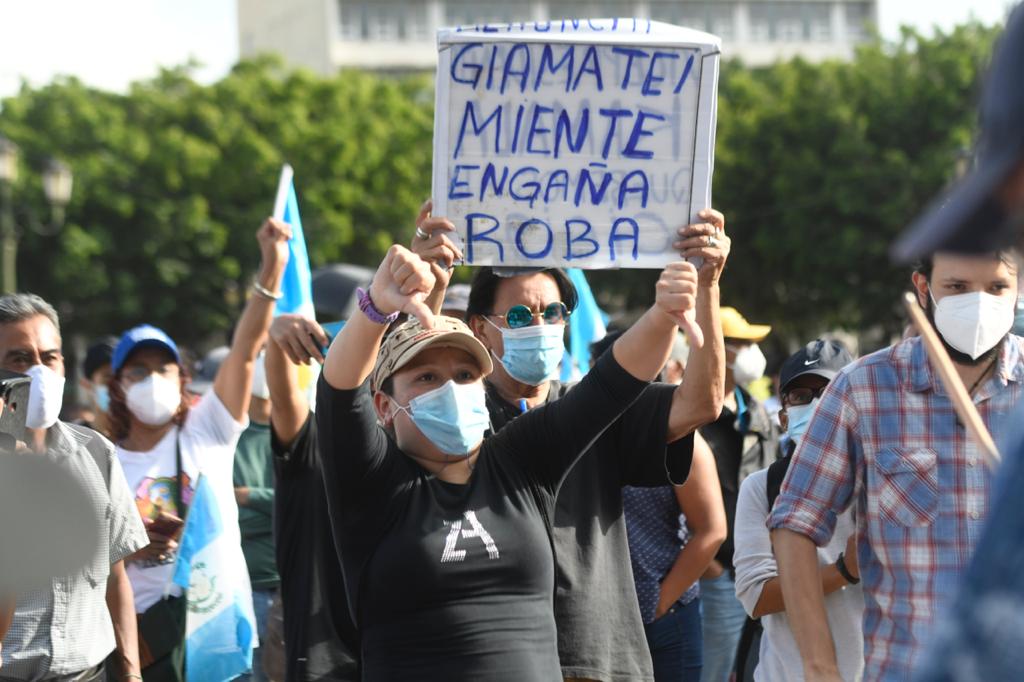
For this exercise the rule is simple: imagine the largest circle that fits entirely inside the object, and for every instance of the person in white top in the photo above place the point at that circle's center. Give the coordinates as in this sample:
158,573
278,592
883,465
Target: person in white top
163,445
803,378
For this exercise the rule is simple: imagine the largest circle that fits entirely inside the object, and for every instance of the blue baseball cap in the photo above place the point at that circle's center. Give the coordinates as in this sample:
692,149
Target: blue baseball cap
143,336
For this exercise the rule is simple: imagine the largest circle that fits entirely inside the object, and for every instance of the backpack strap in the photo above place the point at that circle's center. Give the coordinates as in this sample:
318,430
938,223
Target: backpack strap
776,475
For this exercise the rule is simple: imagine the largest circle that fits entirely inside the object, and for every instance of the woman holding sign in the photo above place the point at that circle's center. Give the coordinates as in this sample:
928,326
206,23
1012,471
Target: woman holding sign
518,315
445,537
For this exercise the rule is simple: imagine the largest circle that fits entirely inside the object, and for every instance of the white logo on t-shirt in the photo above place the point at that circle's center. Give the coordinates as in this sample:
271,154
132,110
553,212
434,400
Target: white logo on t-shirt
476,530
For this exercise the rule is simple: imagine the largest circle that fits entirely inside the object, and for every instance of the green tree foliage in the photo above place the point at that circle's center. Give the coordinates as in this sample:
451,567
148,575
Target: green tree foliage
818,168
173,179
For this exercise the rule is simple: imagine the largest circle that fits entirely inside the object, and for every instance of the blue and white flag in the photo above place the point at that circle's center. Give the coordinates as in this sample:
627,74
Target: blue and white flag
587,324
297,285
220,627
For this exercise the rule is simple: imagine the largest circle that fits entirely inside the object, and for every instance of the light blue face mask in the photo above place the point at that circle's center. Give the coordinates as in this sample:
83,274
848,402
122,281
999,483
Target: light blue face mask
532,354
799,416
454,416
102,394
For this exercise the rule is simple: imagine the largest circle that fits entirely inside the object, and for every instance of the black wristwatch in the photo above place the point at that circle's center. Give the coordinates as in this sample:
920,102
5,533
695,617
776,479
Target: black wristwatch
844,571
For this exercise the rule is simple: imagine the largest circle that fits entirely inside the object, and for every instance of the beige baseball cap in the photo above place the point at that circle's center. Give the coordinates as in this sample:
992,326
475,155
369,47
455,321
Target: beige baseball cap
409,339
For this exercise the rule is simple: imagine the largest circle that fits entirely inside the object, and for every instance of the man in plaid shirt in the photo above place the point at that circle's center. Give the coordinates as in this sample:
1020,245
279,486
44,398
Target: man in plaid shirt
885,437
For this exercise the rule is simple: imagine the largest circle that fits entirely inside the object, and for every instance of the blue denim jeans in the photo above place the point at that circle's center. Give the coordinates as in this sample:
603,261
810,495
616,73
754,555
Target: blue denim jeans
676,644
261,600
723,617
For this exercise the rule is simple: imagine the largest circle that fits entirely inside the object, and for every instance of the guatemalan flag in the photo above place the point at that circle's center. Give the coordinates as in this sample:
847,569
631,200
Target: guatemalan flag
587,324
297,285
220,628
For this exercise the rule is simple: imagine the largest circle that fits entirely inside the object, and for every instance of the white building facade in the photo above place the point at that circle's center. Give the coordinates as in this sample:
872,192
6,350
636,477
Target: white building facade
326,35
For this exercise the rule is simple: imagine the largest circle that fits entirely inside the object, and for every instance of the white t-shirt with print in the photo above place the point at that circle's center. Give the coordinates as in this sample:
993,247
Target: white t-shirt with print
208,439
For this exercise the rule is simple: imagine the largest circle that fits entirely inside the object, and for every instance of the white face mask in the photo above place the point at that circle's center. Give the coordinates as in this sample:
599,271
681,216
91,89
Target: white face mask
975,322
259,378
749,365
154,400
45,397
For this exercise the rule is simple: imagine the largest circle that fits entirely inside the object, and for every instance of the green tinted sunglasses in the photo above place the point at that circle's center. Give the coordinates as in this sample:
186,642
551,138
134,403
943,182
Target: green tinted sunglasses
519,316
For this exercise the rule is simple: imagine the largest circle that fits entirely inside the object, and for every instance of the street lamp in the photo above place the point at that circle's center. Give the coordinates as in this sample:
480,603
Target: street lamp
57,187
57,182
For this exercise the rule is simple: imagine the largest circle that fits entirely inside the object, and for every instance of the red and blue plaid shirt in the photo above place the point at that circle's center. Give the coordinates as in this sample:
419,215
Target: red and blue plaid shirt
885,437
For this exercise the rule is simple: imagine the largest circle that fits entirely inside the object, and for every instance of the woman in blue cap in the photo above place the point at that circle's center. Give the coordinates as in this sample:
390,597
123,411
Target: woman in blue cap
164,443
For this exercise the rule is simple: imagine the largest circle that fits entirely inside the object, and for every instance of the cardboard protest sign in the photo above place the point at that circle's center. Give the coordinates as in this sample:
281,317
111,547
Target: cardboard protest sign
583,143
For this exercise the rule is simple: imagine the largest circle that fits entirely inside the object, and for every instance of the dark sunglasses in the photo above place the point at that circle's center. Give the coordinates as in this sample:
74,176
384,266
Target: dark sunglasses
519,316
801,396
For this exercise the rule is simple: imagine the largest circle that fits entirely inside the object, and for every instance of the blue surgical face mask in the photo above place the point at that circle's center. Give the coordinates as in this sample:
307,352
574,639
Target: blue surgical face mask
454,416
532,354
799,416
102,396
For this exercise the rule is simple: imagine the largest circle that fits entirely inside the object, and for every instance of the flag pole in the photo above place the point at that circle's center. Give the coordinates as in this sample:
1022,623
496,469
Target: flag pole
940,360
283,184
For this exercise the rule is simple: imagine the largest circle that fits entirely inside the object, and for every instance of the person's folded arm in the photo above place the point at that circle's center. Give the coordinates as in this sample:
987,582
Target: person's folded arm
700,500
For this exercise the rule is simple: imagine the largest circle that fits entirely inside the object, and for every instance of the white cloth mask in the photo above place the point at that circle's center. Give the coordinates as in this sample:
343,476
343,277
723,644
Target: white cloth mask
749,365
260,389
154,400
45,397
974,322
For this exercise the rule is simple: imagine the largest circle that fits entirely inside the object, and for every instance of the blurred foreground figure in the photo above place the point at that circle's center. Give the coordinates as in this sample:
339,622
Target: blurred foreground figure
63,628
981,637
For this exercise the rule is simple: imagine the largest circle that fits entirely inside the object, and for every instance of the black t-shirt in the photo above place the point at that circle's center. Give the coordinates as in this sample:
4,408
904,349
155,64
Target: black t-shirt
455,581
320,639
600,629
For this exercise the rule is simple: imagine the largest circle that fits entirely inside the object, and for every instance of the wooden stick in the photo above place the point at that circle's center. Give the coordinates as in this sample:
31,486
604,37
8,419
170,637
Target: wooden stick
962,402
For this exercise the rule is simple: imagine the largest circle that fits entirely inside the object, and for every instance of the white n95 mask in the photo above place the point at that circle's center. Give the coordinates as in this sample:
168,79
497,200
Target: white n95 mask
973,323
45,397
154,400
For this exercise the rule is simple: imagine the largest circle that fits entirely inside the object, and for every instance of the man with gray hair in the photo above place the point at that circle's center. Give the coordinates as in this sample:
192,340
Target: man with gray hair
65,628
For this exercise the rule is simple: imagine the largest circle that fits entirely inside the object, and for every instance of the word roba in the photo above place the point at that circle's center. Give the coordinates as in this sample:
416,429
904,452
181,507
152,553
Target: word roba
536,240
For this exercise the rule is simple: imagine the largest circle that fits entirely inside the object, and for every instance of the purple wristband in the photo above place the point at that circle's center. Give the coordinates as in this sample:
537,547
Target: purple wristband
370,310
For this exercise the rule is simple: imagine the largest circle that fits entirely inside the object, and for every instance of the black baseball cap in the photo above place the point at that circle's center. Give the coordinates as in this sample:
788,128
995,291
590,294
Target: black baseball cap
100,353
821,357
969,218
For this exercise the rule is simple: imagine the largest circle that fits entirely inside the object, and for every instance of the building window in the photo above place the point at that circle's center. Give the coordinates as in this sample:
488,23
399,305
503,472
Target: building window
761,19
819,17
714,17
590,9
384,20
476,13
858,20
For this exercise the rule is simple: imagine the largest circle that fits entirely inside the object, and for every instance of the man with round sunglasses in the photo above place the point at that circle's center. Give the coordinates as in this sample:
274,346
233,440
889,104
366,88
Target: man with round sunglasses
519,315
803,379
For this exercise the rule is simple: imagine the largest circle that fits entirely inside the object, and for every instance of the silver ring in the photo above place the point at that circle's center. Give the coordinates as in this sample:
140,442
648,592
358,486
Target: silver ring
712,242
421,234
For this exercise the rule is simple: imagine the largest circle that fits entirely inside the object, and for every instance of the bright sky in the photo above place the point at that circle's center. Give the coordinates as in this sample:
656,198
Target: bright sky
110,43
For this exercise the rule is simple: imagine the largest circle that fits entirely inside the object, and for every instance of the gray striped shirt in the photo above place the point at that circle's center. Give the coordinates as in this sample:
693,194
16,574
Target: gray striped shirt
67,628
